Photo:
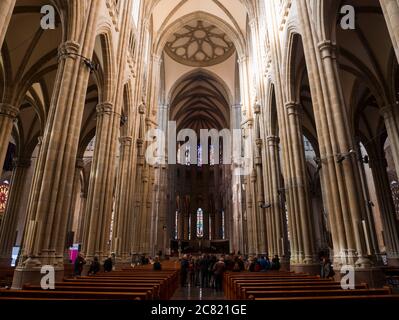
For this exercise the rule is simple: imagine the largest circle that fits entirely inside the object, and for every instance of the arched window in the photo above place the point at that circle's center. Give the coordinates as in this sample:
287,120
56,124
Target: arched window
210,227
187,155
200,223
189,227
223,231
136,11
4,188
211,155
176,225
199,156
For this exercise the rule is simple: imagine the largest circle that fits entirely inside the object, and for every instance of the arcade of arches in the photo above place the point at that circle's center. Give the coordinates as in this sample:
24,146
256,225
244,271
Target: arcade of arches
316,108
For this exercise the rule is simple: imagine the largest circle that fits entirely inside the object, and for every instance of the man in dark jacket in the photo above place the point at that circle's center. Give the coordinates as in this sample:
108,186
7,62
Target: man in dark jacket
79,263
108,264
204,265
183,271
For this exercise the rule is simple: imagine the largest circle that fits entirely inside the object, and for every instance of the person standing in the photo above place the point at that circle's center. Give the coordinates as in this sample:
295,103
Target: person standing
79,263
108,264
219,269
184,264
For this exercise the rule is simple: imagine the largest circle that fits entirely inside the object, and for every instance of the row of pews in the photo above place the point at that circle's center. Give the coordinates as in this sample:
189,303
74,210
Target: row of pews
289,286
6,275
128,284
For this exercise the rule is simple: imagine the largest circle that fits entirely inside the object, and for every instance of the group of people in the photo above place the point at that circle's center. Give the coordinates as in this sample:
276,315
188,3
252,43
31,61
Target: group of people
142,260
207,271
95,267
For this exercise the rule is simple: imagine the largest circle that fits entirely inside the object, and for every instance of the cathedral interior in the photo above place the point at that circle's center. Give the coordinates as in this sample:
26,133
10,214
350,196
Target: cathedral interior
313,95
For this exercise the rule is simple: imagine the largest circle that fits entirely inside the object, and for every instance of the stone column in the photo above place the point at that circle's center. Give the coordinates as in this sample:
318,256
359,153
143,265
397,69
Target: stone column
100,194
138,195
82,211
8,114
10,219
261,224
384,196
346,207
45,232
123,217
276,210
299,187
347,170
391,14
391,119
6,9
71,209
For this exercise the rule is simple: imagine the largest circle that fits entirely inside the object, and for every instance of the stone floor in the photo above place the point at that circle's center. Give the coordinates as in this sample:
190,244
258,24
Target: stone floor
196,293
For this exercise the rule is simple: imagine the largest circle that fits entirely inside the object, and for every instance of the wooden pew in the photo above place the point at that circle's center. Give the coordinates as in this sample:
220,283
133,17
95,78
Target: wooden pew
333,299
244,289
252,295
89,295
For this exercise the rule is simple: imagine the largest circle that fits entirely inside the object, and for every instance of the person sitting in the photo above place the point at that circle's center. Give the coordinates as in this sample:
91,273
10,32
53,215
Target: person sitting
108,264
94,267
157,265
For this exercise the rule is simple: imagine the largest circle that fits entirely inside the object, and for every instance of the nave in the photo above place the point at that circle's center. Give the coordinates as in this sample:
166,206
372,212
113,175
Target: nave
133,128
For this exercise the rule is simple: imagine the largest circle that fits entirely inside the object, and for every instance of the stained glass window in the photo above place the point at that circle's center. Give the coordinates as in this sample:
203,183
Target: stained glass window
187,155
211,155
4,188
200,223
223,234
176,224
199,156
210,227
189,227
136,11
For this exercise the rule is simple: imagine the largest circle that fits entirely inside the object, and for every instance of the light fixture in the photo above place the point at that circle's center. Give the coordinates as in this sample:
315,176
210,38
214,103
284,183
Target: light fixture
265,205
89,63
342,157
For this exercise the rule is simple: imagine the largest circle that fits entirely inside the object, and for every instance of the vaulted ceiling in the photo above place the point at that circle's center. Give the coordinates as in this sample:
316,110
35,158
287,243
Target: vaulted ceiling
200,102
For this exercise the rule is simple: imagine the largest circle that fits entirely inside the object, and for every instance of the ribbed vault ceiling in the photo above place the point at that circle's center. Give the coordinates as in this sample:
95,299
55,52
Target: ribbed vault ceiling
200,102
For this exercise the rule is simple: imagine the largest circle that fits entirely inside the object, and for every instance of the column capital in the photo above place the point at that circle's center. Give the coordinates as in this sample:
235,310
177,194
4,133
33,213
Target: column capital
142,108
80,164
125,141
259,143
257,108
68,49
140,142
252,23
157,59
105,107
8,110
242,59
293,108
254,176
273,140
327,49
